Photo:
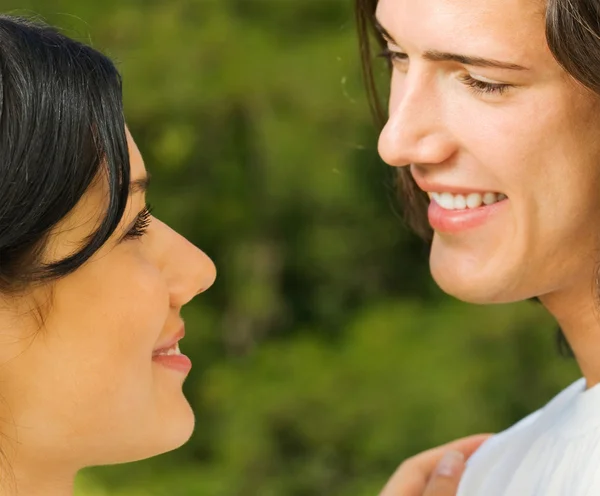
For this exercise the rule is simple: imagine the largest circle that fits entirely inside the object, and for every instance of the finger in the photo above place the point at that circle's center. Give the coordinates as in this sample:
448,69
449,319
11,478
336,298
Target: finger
446,477
430,458
411,477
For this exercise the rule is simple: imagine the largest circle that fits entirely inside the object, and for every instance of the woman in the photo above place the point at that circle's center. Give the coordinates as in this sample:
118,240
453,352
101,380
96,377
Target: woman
494,118
91,283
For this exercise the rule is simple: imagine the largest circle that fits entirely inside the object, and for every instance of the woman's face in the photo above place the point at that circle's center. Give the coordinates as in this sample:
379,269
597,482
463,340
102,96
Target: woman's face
521,129
84,389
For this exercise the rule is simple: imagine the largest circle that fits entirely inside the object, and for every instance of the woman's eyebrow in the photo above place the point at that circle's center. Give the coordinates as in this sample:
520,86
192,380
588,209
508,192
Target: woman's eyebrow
139,185
437,56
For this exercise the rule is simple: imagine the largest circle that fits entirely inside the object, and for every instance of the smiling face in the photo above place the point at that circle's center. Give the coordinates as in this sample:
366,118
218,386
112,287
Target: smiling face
479,105
84,389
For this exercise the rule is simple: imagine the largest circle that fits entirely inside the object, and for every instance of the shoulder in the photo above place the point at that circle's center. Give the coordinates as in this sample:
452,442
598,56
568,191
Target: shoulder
495,463
489,451
546,413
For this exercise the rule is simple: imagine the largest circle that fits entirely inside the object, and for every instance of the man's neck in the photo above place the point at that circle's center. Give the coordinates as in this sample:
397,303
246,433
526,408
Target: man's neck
578,314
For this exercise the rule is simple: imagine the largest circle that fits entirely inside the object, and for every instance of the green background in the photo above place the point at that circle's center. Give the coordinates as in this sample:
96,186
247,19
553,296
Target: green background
324,354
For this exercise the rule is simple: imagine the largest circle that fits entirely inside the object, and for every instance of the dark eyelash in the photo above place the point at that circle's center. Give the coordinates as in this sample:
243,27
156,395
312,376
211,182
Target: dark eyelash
392,56
483,87
141,224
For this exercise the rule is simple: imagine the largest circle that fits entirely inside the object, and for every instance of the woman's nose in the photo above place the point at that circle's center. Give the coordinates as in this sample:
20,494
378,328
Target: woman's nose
189,272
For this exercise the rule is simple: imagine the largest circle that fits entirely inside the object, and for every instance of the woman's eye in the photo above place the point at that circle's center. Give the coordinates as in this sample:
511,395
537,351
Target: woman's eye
479,87
141,224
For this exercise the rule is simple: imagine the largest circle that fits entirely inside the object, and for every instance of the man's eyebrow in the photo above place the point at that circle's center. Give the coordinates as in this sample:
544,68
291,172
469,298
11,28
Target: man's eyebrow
437,56
139,185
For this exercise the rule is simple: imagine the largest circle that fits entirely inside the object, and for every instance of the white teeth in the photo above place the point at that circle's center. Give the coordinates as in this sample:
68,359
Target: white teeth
490,198
460,202
474,200
445,200
449,201
173,350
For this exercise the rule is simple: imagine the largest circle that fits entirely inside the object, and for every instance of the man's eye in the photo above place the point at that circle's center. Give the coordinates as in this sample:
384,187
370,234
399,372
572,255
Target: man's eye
484,87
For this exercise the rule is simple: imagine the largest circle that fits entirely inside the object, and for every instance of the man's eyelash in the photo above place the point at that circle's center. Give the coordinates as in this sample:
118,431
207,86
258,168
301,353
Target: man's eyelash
482,87
141,224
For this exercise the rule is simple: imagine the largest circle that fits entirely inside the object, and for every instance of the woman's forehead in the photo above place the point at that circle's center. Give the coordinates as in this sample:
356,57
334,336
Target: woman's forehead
138,168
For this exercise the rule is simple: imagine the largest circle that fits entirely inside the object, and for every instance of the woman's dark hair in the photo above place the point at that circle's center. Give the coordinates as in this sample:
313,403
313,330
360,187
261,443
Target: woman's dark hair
573,35
61,129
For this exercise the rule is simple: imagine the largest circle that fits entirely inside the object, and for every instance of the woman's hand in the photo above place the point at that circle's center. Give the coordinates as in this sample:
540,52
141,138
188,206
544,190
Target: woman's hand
435,472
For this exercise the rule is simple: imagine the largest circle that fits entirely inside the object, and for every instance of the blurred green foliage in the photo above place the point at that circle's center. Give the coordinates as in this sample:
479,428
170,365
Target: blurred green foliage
324,354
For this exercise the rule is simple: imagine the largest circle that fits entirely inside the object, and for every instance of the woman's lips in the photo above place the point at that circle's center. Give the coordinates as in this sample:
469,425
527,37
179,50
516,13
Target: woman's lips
455,221
169,355
179,362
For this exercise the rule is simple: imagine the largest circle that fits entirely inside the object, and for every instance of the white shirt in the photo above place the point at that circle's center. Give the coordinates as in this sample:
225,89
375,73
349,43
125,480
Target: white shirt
553,452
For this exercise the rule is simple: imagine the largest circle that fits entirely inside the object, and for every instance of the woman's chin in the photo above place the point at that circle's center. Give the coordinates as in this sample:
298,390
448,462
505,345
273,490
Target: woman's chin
178,429
173,431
